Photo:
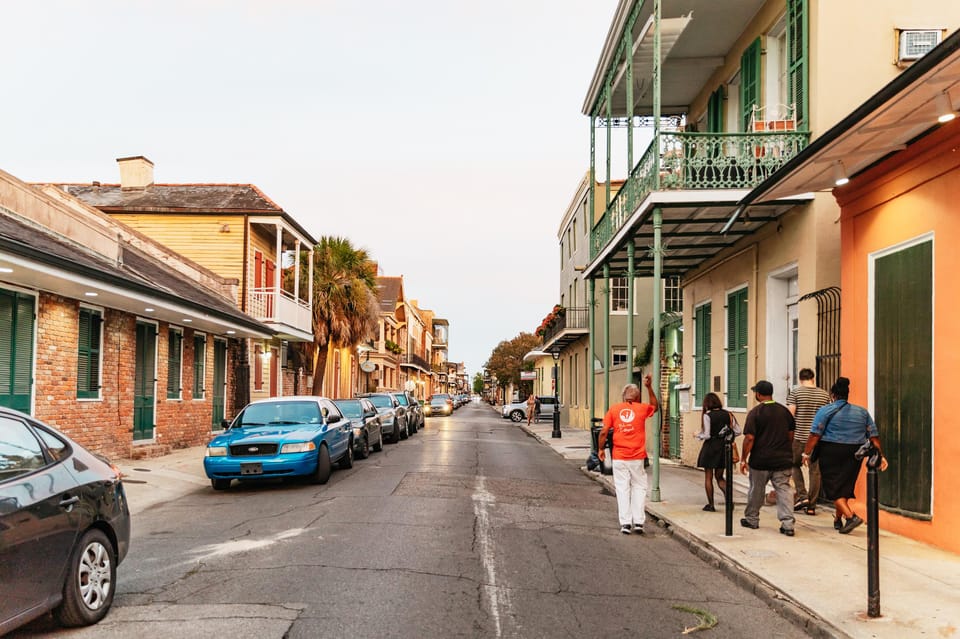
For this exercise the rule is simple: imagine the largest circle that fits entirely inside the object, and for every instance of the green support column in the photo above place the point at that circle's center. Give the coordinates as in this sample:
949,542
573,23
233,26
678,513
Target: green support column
628,36
657,253
609,137
592,349
591,193
631,274
606,339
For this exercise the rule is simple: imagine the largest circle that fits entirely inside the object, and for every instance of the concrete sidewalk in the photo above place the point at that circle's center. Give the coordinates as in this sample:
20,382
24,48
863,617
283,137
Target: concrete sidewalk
817,578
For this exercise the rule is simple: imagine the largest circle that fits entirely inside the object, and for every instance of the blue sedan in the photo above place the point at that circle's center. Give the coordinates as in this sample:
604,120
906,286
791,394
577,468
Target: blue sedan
281,437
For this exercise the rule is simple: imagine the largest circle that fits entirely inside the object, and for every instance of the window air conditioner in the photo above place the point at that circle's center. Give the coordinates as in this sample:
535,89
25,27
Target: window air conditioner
915,43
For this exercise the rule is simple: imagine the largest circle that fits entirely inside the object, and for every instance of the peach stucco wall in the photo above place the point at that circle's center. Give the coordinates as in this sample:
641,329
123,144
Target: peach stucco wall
912,194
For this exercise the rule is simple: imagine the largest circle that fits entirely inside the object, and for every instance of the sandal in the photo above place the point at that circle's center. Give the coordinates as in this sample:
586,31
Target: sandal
811,510
709,508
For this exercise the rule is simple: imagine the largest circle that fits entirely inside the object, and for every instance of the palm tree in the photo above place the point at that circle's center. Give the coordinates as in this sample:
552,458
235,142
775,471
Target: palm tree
345,304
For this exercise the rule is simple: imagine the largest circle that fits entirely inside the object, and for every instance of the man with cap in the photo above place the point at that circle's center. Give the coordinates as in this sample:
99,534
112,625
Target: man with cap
768,451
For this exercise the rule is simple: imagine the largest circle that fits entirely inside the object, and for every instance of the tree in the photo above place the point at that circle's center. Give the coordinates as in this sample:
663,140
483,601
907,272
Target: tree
345,304
477,384
506,360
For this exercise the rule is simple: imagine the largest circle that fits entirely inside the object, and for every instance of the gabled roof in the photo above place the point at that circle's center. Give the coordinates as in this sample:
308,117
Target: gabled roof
193,199
390,291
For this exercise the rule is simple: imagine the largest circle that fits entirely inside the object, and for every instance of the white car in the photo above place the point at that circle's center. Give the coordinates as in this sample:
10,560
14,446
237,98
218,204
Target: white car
517,411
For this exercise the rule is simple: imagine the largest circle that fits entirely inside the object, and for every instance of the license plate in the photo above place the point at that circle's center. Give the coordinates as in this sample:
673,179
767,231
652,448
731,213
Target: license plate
251,469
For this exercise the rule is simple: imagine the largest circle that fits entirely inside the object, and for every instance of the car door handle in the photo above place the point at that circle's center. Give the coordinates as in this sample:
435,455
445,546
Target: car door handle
66,502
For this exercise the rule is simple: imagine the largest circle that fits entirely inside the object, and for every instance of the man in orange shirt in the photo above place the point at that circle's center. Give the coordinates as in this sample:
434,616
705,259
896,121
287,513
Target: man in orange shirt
628,421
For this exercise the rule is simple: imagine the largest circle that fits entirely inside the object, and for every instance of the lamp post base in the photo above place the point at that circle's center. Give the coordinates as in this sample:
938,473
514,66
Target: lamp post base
556,434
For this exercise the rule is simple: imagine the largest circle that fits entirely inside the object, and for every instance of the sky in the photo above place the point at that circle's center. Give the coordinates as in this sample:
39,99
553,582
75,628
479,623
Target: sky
443,136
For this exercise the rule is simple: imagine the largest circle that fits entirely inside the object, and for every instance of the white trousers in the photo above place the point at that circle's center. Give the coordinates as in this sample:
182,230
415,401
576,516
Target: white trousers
630,480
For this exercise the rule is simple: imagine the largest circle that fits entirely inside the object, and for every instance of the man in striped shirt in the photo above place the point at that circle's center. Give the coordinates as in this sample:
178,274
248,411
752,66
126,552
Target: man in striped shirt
803,402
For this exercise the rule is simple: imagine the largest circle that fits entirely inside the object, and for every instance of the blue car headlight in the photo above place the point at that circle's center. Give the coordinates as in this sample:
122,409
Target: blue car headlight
298,447
216,451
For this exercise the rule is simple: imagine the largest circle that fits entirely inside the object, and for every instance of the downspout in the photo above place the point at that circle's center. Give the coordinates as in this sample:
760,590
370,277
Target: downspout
592,348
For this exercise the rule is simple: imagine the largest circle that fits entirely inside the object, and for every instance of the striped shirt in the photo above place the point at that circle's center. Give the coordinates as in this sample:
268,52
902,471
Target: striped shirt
807,399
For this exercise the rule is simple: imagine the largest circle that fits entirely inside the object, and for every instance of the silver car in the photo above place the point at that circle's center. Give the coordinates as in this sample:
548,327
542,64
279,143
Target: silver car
517,411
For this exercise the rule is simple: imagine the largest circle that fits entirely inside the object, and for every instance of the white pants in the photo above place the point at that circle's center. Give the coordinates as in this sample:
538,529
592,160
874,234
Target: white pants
630,480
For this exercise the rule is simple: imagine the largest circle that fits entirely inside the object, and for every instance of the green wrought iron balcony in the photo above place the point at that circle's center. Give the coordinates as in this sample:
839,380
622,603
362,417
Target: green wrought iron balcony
697,162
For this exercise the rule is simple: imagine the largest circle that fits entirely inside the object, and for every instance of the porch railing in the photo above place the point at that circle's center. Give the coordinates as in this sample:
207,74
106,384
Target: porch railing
574,317
412,358
698,161
281,307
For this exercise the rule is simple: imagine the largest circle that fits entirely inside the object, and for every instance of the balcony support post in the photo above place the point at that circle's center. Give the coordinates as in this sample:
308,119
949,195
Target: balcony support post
609,109
592,348
628,48
606,338
657,252
631,274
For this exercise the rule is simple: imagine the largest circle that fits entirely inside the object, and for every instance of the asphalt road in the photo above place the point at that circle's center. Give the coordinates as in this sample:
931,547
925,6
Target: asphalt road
468,529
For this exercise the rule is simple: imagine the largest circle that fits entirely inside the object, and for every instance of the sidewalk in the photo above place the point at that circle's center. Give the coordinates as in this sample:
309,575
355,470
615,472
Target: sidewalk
159,480
818,579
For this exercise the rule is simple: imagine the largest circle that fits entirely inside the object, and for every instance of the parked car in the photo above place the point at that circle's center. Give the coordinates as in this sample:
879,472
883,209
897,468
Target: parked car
411,410
438,404
281,437
394,422
517,411
365,420
64,526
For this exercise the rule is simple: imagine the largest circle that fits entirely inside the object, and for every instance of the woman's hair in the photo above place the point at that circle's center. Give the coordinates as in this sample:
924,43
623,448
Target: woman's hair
711,401
841,388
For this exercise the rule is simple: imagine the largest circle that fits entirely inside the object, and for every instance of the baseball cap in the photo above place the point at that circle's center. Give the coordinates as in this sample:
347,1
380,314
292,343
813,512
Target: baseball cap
763,387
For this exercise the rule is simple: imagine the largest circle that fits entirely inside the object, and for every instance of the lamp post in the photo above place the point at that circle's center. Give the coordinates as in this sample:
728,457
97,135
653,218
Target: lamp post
556,397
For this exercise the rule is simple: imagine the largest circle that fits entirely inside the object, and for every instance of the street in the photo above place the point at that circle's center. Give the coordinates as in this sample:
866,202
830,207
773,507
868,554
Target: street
470,528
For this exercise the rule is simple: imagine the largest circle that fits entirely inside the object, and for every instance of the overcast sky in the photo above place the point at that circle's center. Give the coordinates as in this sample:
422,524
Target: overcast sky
444,136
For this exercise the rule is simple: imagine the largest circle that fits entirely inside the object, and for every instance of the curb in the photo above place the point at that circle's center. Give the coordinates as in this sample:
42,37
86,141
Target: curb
784,605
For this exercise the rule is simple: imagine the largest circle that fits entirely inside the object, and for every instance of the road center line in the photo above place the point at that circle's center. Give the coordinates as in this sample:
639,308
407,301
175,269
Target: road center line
496,597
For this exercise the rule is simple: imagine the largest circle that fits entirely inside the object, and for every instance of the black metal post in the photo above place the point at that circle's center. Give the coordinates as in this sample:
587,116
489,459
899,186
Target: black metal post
873,534
556,400
728,438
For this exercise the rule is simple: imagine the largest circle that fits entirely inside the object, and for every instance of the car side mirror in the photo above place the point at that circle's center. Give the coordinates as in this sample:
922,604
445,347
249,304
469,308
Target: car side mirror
225,424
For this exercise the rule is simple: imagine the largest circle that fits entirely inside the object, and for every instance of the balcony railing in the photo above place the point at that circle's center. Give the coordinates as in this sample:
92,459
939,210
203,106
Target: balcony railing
698,161
280,307
416,360
571,318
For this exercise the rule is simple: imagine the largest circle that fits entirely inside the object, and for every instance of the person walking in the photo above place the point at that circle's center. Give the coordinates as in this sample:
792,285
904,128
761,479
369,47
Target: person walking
803,401
839,430
711,458
628,422
531,408
768,452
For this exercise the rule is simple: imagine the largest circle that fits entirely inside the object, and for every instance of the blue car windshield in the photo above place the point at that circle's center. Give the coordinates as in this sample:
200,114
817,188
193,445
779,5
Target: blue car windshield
280,413
349,407
381,401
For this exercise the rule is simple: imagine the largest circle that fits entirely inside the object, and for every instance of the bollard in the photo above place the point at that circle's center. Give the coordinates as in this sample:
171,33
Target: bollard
728,437
872,455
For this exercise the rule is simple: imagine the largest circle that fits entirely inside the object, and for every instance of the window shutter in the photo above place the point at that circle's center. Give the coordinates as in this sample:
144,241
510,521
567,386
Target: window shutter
737,349
797,27
173,364
702,354
749,82
199,358
715,112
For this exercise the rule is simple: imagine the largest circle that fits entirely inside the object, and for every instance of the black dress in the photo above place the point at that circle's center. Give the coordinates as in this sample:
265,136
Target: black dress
711,453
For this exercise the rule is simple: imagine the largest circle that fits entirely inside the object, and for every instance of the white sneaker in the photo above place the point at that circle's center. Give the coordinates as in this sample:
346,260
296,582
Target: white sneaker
638,529
625,529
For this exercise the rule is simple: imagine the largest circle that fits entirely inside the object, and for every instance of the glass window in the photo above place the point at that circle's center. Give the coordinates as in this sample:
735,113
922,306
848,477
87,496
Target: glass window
672,294
618,294
174,358
20,452
55,446
88,353
618,356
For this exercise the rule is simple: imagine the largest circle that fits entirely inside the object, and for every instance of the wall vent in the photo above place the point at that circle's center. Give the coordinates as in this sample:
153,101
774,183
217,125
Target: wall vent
913,44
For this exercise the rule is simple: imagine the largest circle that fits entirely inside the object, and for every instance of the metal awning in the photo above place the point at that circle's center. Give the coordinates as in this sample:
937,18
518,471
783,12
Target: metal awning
901,111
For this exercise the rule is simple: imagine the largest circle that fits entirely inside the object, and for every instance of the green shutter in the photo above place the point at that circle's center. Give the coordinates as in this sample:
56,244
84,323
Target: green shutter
88,354
16,350
199,358
715,112
701,356
797,60
737,349
174,341
749,82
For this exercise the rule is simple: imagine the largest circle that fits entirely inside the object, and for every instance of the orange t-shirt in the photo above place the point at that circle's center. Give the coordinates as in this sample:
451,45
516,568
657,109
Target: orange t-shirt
628,421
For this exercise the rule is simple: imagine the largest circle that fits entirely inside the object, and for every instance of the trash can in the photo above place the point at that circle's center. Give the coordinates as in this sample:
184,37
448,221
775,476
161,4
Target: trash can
596,425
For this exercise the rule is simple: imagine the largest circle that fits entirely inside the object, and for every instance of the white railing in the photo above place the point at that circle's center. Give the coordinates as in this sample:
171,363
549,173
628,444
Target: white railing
280,307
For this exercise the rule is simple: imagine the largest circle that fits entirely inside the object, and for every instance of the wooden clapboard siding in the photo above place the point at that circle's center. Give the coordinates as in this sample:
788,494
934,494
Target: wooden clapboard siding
201,238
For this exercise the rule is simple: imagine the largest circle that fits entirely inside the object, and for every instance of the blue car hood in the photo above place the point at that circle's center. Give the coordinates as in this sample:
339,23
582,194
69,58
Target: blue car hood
270,433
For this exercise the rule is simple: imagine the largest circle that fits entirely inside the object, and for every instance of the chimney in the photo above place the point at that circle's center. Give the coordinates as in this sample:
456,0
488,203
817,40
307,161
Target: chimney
135,173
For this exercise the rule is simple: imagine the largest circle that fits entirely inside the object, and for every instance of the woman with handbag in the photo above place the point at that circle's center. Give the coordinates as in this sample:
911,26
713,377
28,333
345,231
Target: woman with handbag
838,430
711,458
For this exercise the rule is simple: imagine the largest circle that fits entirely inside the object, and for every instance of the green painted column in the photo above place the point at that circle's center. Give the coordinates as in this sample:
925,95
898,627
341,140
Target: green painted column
628,36
606,338
631,274
657,255
592,349
609,137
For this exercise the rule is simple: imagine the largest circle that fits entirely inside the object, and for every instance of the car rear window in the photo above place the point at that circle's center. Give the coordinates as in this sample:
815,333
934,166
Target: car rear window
349,407
402,399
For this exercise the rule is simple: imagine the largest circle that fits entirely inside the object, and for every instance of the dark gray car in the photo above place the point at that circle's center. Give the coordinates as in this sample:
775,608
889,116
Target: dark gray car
411,410
363,416
393,421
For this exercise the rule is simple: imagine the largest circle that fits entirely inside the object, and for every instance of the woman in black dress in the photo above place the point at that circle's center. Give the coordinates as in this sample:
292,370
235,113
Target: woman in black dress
711,453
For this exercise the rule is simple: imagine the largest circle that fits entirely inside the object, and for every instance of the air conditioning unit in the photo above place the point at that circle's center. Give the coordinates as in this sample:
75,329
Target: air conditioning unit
915,43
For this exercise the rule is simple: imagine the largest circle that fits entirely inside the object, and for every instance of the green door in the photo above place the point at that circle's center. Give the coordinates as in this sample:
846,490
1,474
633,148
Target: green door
16,350
144,381
674,417
219,381
903,377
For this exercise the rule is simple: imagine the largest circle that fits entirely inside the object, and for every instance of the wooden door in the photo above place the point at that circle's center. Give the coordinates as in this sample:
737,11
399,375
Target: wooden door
219,381
145,381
